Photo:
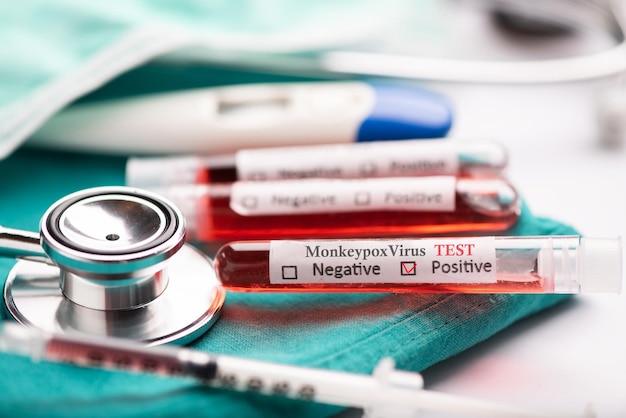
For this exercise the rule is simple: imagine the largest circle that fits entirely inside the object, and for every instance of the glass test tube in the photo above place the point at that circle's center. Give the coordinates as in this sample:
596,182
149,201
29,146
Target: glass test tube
358,160
334,208
541,264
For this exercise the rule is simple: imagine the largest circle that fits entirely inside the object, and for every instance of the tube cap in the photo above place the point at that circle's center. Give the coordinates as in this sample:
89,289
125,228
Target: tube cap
191,200
600,265
155,172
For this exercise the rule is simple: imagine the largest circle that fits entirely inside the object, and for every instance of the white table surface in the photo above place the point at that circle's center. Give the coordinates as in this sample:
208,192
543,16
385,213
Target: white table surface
563,359
573,355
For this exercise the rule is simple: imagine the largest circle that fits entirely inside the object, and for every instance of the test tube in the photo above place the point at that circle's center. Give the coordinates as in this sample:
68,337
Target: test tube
541,264
334,208
357,160
388,392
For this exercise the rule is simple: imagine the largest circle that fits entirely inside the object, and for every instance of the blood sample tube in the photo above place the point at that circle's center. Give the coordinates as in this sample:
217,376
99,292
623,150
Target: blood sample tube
541,264
357,160
342,208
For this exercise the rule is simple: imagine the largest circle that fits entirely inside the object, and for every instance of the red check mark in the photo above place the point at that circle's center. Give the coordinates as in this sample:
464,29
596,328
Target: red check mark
407,268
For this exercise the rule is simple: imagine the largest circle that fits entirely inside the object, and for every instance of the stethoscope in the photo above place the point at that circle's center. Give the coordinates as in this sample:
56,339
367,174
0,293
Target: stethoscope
544,18
111,261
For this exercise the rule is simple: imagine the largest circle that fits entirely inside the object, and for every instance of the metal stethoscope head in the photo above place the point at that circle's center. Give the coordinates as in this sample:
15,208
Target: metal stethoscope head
111,261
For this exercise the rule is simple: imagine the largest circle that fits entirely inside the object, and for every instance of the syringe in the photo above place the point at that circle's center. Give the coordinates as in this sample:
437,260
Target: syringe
388,392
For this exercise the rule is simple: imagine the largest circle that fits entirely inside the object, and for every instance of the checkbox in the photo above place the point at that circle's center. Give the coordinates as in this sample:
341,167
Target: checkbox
362,198
249,202
257,175
408,268
368,169
290,273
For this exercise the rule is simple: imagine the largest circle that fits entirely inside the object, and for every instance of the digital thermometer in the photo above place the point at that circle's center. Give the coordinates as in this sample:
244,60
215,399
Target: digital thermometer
226,119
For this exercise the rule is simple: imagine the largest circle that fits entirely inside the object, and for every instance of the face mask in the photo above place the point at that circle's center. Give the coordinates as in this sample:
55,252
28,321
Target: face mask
60,52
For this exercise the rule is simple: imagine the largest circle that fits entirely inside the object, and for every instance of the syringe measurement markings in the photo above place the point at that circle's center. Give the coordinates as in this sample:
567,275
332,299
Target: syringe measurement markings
111,357
279,387
201,367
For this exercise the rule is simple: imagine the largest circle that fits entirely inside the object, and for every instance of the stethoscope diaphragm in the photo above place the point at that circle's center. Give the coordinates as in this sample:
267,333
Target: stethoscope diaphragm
117,265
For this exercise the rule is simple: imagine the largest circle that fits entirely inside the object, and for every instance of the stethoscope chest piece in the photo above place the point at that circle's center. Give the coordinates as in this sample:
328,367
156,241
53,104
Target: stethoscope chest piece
111,261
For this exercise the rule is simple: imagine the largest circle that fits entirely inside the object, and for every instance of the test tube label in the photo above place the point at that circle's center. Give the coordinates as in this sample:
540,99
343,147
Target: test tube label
374,159
435,193
445,260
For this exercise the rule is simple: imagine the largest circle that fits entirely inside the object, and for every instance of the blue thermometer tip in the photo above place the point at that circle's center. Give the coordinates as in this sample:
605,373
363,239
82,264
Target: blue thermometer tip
406,112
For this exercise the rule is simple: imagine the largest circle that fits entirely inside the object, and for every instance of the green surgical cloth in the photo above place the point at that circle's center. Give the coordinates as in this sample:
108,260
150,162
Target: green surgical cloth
55,51
349,332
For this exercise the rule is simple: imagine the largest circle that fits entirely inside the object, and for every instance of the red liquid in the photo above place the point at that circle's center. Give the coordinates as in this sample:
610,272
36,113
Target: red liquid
223,224
225,173
244,267
112,357
217,174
